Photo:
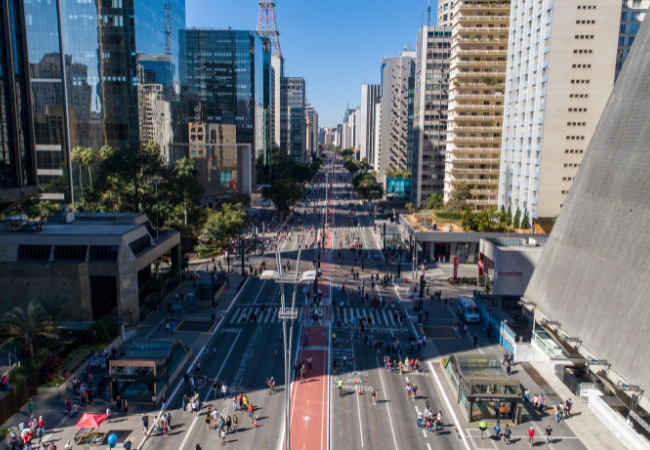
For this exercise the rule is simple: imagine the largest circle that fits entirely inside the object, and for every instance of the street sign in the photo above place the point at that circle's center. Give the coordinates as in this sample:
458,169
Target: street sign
288,313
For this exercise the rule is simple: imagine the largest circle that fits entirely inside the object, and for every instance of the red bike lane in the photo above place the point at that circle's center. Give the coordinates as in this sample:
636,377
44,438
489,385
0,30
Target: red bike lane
310,399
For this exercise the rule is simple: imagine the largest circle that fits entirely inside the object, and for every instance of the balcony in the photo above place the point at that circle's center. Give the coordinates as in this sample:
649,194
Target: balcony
473,139
462,96
504,18
495,40
479,52
483,7
456,106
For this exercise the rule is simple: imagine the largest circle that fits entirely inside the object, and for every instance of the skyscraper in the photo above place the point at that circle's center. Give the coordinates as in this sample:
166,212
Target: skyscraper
370,96
17,158
277,63
395,113
430,112
90,96
312,131
632,15
292,117
227,77
476,84
561,69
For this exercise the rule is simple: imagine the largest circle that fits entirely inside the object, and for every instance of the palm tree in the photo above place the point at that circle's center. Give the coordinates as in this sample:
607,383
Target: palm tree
184,168
105,152
78,158
29,325
88,158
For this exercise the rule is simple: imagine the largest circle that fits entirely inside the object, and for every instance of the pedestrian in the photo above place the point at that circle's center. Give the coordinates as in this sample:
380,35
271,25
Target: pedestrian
251,409
309,363
507,433
68,445
68,406
497,429
153,400
223,437
567,408
531,436
497,408
419,421
475,340
108,413
30,406
163,400
125,403
145,424
549,434
374,396
558,413
75,410
127,444
208,418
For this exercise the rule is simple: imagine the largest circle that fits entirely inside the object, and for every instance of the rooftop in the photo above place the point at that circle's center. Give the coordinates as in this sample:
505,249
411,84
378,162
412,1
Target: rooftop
526,241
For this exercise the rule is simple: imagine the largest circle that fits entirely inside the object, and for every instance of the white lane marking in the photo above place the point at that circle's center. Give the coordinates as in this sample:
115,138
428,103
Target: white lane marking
354,367
390,420
428,446
259,292
424,433
446,399
207,397
407,379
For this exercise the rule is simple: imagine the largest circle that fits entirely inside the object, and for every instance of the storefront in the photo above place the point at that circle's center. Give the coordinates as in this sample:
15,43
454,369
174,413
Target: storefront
482,388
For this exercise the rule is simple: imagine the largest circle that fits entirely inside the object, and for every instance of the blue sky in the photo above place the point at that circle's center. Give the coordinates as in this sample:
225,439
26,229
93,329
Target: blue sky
330,43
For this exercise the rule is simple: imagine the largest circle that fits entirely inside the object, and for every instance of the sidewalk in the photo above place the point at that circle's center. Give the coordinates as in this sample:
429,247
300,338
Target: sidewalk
60,427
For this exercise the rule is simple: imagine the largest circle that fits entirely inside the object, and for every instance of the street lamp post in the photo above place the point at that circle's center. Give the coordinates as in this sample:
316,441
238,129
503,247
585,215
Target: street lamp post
288,314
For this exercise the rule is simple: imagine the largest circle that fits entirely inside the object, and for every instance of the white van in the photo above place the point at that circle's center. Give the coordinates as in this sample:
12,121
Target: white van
468,310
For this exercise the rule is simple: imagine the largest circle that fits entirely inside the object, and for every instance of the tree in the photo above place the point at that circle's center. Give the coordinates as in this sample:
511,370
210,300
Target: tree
283,194
367,186
223,225
435,202
28,325
515,221
185,174
411,207
503,216
459,196
509,216
78,158
524,220
351,165
88,157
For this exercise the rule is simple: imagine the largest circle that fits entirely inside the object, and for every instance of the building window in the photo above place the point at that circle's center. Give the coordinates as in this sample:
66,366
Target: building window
70,252
104,252
34,252
140,244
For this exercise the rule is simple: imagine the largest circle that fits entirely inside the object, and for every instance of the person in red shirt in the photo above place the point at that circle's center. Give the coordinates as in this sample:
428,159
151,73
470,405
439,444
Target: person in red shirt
531,436
41,429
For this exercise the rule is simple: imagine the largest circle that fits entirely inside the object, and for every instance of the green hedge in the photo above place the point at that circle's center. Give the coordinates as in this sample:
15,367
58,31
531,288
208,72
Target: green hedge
106,330
448,215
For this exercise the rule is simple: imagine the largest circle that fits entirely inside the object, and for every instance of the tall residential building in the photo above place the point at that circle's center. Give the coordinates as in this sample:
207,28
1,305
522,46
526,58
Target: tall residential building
92,95
292,117
445,13
375,156
227,85
561,68
312,131
277,63
370,96
395,112
479,45
632,15
17,157
430,112
355,130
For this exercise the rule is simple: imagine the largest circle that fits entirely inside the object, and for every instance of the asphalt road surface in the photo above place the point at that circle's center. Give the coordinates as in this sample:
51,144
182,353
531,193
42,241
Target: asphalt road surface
248,353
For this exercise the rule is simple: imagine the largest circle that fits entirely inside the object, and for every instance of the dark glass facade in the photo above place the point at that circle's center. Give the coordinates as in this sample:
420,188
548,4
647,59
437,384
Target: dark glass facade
293,137
226,77
17,170
120,72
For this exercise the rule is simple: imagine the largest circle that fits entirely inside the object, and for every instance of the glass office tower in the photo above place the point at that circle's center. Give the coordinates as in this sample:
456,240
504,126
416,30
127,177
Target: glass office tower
97,68
227,77
17,170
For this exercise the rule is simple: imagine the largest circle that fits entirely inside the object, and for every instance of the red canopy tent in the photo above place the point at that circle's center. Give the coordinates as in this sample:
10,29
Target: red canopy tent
91,420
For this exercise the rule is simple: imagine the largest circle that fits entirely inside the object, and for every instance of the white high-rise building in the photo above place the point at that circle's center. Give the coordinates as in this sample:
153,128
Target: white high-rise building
395,113
375,155
370,96
430,112
311,123
561,67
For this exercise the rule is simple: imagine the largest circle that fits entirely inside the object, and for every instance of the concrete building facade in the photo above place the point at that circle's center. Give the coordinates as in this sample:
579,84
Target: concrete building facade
99,263
370,96
561,69
477,83
396,73
430,112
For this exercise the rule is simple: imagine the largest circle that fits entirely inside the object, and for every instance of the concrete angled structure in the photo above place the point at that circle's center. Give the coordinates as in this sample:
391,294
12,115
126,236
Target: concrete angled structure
592,277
